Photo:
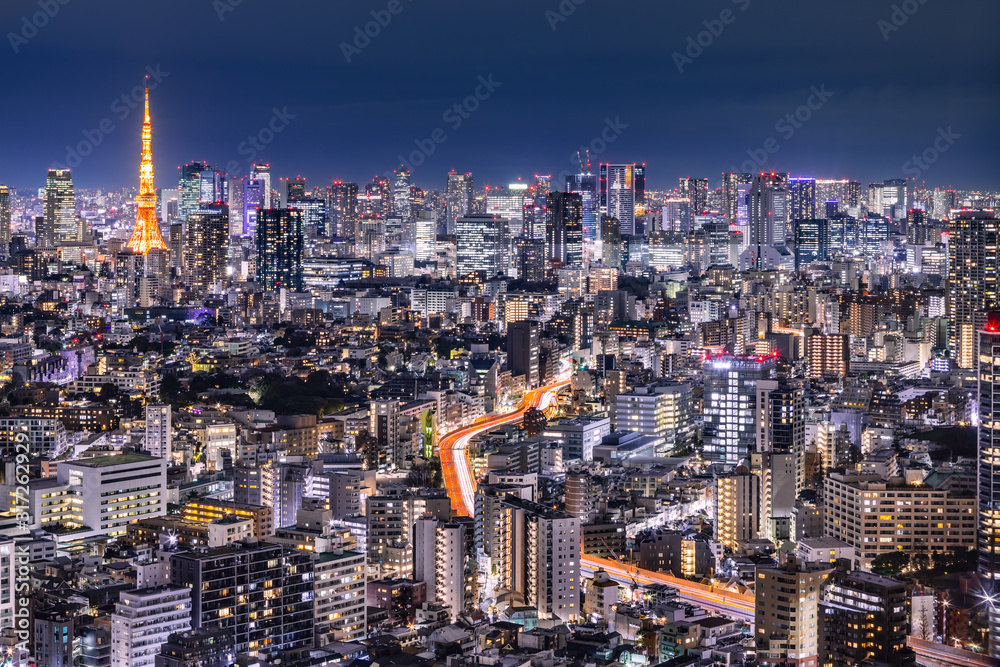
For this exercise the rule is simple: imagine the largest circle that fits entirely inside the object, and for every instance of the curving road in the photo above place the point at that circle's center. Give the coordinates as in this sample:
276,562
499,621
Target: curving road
461,486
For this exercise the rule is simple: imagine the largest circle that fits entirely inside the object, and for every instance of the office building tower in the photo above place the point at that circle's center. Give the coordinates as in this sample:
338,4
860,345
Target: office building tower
401,189
894,198
535,222
661,410
340,596
944,202
206,247
386,429
314,217
159,434
458,200
143,621
715,232
262,172
380,194
863,617
254,191
60,208
189,186
344,210
482,244
617,195
585,185
530,259
522,351
425,233
292,190
812,241
611,242
676,215
788,633
801,198
513,203
874,199
972,277
235,195
564,228
639,173
279,249
767,221
730,406
829,189
5,220
213,186
261,593
988,368
730,194
737,507
695,190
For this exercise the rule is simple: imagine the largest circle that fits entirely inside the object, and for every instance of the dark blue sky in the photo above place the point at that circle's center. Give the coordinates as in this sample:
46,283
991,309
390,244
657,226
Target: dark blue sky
557,88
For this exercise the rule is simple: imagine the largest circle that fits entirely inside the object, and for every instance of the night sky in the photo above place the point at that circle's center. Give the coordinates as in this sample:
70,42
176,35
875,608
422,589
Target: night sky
896,87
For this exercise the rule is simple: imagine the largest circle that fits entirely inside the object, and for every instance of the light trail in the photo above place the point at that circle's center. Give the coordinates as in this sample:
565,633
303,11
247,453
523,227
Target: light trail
461,486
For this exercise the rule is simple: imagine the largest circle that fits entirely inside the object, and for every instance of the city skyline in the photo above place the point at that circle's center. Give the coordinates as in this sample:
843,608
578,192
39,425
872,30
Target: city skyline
859,123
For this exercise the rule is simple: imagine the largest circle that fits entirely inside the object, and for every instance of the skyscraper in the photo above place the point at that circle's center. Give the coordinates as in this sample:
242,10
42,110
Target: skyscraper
425,233
292,190
611,241
262,172
522,351
730,193
482,242
189,185
4,221
206,237
802,198
696,191
972,277
159,433
60,207
989,469
458,199
146,236
812,241
617,195
279,249
254,191
213,187
401,193
585,184
564,228
767,208
344,210
731,406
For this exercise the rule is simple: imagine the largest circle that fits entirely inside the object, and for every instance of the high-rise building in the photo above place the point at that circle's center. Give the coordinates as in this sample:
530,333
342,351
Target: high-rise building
828,190
611,242
60,208
279,249
189,186
564,228
828,354
143,621
617,195
262,593
530,259
658,410
730,406
894,199
737,507
340,596
458,200
677,215
159,434
451,581
730,194
639,173
863,618
988,345
801,198
512,203
695,190
585,185
812,241
206,246
401,193
482,244
344,210
522,351
973,267
4,221
235,197
292,190
195,648
789,633
425,233
213,188
535,223
262,172
767,208
254,191
386,429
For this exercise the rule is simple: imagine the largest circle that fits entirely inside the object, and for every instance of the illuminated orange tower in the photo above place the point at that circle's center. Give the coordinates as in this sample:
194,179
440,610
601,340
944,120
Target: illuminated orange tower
146,235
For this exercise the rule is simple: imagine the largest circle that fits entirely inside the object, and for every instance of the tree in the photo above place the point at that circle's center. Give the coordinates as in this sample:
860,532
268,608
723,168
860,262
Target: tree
890,564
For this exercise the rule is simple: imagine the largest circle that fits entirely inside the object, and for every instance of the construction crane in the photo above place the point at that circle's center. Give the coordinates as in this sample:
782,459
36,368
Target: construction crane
635,584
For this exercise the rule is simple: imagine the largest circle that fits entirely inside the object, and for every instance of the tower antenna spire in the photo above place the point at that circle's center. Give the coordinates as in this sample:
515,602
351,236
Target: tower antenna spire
146,235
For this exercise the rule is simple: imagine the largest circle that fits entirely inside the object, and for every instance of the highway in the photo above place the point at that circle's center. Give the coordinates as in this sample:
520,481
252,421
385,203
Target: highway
461,486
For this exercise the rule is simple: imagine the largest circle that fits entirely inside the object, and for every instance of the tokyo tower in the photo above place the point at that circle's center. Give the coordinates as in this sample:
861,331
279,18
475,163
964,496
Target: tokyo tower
146,235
